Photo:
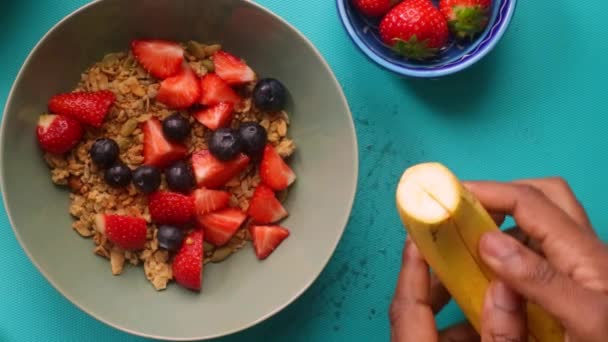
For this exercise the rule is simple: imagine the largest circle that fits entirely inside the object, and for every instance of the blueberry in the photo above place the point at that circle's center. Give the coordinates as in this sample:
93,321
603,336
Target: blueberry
270,95
170,238
225,144
253,138
118,175
176,127
146,178
179,177
104,152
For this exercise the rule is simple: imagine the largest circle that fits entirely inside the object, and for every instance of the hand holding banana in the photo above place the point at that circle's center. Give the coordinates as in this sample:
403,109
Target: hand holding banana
558,292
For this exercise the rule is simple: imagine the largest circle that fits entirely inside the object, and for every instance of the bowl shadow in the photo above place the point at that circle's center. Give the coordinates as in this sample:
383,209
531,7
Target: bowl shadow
459,93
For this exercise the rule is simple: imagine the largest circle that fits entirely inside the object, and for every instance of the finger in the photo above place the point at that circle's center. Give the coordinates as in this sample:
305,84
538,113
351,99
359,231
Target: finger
524,239
459,333
578,308
517,234
561,239
411,315
503,316
440,296
558,191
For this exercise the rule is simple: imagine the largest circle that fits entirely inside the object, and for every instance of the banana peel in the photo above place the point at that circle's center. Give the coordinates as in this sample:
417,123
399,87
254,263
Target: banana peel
446,222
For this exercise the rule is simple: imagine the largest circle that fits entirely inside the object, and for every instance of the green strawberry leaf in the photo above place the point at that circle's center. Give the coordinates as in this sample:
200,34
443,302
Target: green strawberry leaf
413,48
468,21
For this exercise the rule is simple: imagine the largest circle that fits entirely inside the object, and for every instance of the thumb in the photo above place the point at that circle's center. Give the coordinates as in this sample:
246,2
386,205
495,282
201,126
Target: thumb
580,310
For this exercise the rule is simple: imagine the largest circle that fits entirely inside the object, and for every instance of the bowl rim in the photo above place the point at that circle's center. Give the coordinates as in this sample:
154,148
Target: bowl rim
404,71
304,286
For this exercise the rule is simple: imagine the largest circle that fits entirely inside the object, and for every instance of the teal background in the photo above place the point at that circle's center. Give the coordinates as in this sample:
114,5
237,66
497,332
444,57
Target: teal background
534,107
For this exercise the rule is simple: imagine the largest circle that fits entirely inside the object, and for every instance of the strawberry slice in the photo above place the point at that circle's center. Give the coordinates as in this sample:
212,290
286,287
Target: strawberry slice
221,225
215,90
124,231
206,200
232,69
264,207
170,208
180,91
161,58
266,239
274,171
58,133
213,173
158,151
88,108
216,116
188,262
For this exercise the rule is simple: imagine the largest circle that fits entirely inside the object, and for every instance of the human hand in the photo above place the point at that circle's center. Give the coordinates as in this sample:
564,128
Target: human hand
568,278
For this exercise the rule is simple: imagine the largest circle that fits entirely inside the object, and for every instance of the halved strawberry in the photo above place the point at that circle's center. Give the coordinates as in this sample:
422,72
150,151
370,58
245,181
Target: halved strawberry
58,133
161,58
215,90
206,200
274,171
213,173
170,208
232,69
264,207
188,262
180,91
221,225
266,239
216,116
88,108
124,231
158,151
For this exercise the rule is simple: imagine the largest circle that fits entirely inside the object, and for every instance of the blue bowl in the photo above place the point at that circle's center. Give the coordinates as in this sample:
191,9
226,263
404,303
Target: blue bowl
455,57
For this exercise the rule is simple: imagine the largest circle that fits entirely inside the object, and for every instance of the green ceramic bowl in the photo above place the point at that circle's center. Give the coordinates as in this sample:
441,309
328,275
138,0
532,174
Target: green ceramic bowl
242,291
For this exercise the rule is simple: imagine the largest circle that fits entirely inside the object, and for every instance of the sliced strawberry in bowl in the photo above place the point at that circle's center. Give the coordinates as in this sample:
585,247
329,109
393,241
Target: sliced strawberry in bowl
215,90
266,239
217,116
220,226
207,200
58,133
188,262
161,58
274,171
180,91
213,173
124,231
89,108
158,151
264,206
170,207
232,69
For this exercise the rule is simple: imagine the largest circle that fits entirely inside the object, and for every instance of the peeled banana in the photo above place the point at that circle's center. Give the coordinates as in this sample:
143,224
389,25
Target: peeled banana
446,222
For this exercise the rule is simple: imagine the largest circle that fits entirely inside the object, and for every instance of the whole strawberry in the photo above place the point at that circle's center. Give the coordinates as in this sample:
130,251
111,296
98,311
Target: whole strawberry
415,29
374,8
58,133
466,18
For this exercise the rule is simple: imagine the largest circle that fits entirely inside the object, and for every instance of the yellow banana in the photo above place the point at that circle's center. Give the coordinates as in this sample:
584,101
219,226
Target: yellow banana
446,222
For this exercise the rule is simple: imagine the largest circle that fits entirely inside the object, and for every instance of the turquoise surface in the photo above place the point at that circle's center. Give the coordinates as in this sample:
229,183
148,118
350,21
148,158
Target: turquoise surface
534,107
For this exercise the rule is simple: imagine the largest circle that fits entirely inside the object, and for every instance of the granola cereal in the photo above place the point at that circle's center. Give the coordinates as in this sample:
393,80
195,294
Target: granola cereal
135,92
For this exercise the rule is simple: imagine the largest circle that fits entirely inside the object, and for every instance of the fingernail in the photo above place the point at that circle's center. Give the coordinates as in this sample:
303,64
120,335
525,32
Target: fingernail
497,246
504,298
